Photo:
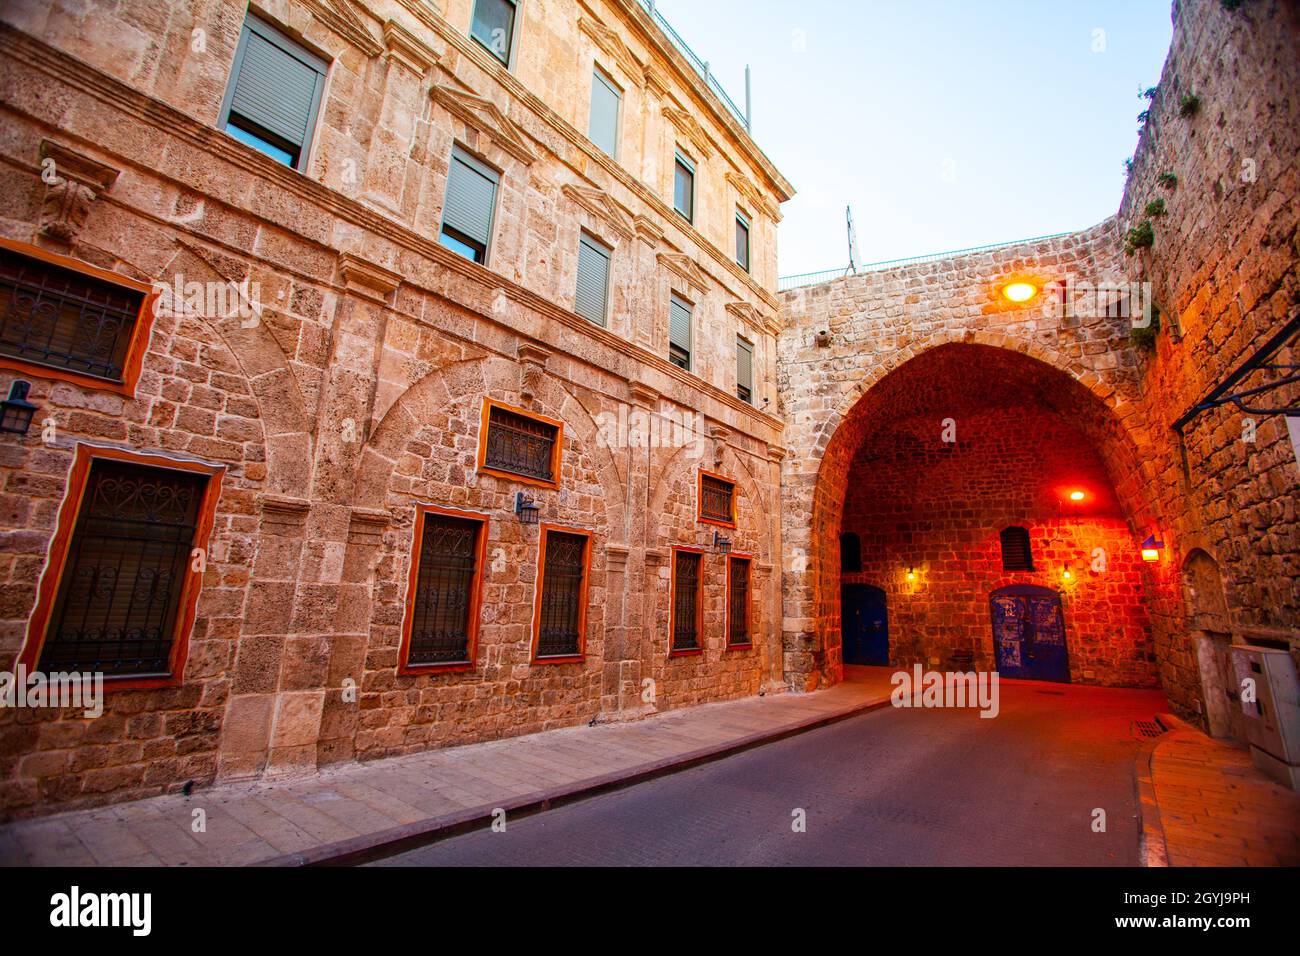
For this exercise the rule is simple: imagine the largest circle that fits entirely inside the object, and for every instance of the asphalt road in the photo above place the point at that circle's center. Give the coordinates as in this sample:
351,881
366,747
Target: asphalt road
890,788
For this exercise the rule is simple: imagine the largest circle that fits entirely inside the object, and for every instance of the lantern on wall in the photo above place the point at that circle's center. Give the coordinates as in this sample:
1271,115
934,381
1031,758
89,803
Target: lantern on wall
527,509
1151,549
15,411
722,544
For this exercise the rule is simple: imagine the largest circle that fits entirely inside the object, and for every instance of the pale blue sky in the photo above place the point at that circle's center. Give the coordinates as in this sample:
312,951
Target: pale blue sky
945,124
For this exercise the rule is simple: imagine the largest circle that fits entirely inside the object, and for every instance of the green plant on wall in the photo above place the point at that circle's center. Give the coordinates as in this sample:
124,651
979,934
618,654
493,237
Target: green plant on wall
1144,337
1156,207
1189,105
1168,180
1128,166
1141,236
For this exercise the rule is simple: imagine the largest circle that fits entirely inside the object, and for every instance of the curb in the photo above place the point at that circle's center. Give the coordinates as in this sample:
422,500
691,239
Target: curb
1152,848
410,836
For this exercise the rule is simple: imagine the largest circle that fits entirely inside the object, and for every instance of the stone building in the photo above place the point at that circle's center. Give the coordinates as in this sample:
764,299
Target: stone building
409,373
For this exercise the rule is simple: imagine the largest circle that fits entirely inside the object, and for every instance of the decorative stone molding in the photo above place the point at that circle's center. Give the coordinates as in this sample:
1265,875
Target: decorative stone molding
655,82
648,230
776,453
613,46
616,557
72,184
685,267
282,515
655,558
532,368
719,436
601,205
366,278
642,395
408,50
750,194
486,117
690,127
342,17
366,526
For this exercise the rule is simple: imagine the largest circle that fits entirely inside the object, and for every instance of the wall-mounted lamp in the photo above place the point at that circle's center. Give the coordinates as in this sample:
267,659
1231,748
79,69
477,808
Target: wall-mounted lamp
911,575
15,411
1077,496
1151,549
527,509
1067,575
722,544
1019,292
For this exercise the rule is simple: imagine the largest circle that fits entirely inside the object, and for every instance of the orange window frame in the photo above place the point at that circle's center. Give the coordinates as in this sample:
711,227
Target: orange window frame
583,593
748,561
699,605
557,452
404,667
60,545
699,499
140,333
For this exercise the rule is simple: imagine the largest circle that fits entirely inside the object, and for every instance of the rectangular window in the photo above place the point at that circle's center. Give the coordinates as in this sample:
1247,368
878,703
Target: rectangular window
445,590
606,99
120,592
519,445
687,607
684,186
592,300
61,318
717,496
274,94
494,27
742,240
744,369
679,332
469,207
738,629
560,615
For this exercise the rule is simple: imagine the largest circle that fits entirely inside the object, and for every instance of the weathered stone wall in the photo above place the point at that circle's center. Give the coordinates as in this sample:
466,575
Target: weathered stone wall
357,390
1224,268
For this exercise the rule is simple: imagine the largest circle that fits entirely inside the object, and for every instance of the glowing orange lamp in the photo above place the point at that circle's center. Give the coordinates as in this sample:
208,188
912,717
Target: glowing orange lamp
1151,549
1077,496
1019,292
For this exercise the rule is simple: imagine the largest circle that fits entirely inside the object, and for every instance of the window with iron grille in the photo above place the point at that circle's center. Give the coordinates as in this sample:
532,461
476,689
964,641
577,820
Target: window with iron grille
119,598
686,601
717,499
850,553
446,590
64,319
563,594
1016,552
274,94
738,602
518,444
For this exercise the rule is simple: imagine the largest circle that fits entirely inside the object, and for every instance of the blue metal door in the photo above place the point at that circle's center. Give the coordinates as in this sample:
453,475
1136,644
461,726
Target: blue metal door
864,623
1029,633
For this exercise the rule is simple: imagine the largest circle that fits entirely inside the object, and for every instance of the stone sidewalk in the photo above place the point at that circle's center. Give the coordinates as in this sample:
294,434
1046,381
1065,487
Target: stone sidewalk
354,812
1204,804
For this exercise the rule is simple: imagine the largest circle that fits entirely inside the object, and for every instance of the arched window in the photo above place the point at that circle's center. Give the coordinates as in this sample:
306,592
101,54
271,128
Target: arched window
1016,554
850,553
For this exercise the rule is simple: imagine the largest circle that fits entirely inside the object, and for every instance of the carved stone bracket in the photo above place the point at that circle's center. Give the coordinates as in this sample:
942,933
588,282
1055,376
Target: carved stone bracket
648,231
642,395
532,364
282,515
366,526
776,453
655,558
719,436
366,278
408,50
616,556
73,182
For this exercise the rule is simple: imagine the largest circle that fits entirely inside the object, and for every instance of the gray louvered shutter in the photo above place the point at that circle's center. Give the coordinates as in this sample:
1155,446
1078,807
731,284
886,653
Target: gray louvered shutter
603,129
679,326
745,366
593,280
278,84
471,195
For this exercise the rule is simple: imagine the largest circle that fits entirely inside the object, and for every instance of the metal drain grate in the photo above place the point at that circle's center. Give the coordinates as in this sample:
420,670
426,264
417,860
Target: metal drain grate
1147,729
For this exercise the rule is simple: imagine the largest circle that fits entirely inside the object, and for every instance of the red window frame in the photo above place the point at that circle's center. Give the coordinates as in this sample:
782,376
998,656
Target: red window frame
557,452
140,333
748,559
48,589
583,595
404,667
699,499
699,604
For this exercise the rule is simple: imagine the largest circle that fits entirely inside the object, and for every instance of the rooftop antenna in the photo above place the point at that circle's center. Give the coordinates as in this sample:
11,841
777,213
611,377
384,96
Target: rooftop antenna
853,241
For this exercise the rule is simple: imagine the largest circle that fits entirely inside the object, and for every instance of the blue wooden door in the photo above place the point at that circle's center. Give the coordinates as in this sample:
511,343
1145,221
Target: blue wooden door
1029,633
864,622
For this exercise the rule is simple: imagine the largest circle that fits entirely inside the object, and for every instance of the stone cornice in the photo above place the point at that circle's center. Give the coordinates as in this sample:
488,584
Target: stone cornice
366,278
20,47
685,267
486,117
691,129
340,17
750,194
601,205
406,48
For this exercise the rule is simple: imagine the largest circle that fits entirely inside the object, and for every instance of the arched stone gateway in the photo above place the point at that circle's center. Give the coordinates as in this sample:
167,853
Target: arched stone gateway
927,467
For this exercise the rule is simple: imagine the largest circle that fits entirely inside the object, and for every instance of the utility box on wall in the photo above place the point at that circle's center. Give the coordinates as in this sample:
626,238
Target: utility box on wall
1273,716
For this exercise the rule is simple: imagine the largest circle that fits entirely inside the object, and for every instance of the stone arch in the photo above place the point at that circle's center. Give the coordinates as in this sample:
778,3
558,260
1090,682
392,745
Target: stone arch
287,428
753,519
1204,596
817,483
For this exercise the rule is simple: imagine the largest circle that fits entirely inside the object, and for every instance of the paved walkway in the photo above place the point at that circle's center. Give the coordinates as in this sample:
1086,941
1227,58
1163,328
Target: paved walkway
1212,807
344,813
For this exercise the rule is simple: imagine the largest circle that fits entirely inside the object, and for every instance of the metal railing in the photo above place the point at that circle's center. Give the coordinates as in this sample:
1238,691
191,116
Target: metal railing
826,275
700,66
